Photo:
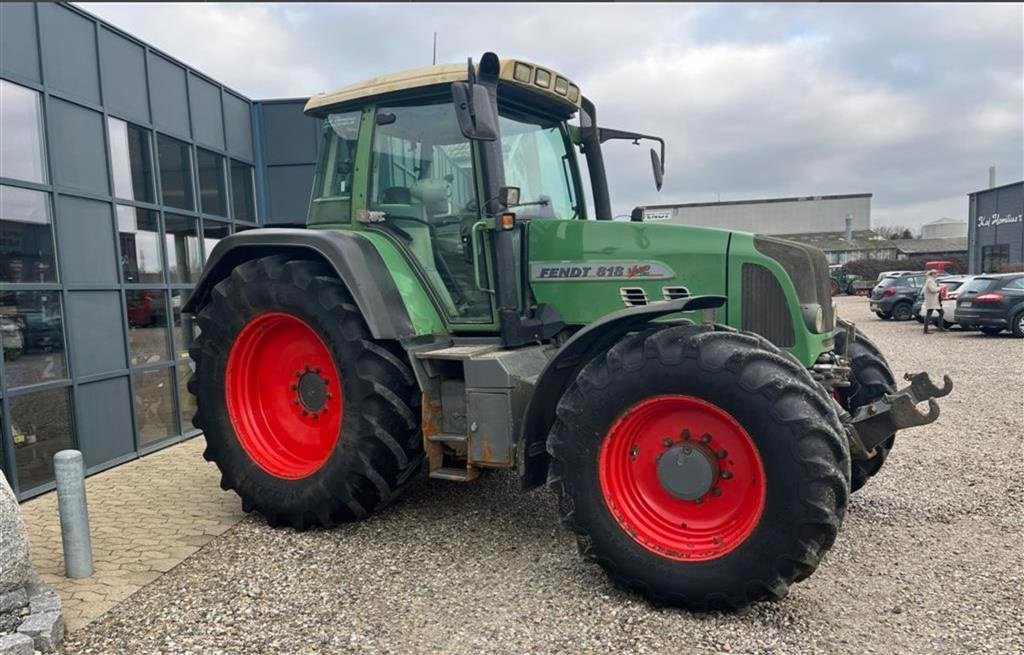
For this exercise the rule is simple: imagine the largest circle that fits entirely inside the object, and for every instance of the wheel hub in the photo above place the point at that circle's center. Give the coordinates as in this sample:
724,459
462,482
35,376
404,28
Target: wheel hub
688,471
312,389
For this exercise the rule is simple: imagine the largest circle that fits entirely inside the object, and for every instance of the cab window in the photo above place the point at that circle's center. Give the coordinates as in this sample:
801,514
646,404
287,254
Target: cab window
536,156
332,184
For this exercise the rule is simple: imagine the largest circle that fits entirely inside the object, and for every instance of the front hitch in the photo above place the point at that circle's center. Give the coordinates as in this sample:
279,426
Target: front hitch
873,424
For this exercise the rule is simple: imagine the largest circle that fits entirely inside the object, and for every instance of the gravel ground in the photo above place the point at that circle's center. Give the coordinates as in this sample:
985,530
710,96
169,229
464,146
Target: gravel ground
930,559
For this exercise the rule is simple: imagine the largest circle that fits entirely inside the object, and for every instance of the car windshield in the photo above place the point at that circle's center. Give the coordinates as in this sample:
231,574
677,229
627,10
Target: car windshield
536,158
979,284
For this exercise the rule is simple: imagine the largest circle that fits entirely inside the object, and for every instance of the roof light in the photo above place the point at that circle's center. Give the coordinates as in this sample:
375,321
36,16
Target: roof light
543,79
574,93
561,86
522,72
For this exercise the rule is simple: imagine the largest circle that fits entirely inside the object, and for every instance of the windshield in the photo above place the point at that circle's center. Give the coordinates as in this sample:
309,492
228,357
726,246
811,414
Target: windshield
536,159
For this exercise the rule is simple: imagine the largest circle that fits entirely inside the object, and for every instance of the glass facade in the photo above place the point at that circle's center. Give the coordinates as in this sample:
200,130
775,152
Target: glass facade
112,196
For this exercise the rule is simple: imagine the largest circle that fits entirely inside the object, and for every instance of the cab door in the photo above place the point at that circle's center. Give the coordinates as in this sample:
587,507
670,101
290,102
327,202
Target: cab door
422,181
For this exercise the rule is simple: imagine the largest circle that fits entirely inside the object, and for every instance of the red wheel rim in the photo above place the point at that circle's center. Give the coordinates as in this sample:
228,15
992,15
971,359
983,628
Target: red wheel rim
692,530
284,395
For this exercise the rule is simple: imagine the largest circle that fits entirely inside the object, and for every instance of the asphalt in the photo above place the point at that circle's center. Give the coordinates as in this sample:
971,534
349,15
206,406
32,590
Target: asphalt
930,558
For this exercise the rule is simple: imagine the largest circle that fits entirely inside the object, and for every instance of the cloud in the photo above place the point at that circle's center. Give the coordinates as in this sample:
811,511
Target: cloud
909,102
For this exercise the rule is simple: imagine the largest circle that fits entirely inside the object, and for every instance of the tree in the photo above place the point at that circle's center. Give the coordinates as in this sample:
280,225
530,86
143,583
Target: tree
894,232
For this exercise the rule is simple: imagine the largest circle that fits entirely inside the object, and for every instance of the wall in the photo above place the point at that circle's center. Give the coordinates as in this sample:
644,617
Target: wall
785,216
120,167
288,145
996,224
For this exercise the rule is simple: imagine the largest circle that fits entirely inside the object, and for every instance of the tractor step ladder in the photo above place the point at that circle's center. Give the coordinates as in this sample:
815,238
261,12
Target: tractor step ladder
447,452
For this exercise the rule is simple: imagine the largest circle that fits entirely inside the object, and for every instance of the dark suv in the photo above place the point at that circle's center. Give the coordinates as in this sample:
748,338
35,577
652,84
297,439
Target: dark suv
993,303
893,296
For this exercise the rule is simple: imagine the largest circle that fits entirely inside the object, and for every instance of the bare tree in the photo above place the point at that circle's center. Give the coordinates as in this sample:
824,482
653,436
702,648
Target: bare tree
895,232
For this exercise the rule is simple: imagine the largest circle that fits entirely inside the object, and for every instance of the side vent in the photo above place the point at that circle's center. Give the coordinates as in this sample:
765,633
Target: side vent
633,296
674,293
765,310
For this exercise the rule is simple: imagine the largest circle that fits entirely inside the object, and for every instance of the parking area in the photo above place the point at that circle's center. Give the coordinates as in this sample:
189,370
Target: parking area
930,558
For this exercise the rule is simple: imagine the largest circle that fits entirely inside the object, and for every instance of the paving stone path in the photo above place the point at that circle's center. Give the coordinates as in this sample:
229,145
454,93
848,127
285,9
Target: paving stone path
146,517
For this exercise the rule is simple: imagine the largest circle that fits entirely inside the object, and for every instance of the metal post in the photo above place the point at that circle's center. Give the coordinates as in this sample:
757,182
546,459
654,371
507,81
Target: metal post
74,515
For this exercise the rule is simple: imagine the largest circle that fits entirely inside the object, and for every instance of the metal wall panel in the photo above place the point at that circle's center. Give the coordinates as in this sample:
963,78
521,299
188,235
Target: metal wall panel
95,333
19,52
77,147
169,92
238,121
123,64
69,52
289,136
207,118
288,189
85,241
104,410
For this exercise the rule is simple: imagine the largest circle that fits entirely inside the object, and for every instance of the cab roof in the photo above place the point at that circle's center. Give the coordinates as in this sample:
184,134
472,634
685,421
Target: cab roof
523,74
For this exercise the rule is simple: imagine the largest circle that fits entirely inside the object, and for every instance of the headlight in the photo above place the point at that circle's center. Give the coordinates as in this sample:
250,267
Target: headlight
814,317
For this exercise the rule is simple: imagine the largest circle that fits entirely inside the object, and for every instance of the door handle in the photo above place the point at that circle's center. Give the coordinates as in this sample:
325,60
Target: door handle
474,244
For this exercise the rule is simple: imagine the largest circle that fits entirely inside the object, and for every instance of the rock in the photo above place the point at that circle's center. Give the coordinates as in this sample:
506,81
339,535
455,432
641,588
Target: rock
16,644
14,556
44,600
46,630
13,600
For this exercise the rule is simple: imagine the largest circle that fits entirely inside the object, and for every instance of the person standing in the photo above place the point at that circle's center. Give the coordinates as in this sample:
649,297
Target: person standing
932,301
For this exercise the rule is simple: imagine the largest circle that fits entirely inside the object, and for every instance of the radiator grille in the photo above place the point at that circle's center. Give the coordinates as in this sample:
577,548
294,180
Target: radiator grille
765,310
808,270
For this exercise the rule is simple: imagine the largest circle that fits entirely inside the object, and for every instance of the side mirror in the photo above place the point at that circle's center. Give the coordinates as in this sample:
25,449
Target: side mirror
637,215
659,169
475,112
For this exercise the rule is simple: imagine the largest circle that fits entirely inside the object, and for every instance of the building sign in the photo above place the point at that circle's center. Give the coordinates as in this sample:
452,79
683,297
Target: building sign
657,215
992,220
608,270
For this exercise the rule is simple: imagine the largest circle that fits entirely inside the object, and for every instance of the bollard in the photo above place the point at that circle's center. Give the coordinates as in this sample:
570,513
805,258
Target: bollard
74,515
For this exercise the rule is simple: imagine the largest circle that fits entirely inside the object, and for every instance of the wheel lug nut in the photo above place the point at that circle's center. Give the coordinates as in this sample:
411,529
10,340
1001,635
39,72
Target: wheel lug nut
666,442
685,435
295,401
705,438
722,454
298,374
716,491
315,415
293,386
305,413
328,396
634,451
316,369
726,475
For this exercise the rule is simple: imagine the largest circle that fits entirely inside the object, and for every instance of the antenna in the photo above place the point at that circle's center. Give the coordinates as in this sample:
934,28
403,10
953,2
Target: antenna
433,61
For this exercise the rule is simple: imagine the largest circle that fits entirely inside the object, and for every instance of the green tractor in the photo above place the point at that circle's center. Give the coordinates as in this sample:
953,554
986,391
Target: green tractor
454,305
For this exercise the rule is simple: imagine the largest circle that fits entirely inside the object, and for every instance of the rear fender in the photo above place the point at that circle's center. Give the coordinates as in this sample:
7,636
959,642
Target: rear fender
562,369
353,258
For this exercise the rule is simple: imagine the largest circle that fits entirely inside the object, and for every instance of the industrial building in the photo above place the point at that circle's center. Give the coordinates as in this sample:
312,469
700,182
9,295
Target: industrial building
944,228
840,225
120,168
995,234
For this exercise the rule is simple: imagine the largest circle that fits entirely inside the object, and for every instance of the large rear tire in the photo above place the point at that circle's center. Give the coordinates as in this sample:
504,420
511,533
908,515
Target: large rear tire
870,379
309,419
696,400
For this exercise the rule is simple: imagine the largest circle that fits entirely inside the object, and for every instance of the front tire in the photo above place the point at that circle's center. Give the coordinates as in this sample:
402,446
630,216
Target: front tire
767,514
870,379
309,419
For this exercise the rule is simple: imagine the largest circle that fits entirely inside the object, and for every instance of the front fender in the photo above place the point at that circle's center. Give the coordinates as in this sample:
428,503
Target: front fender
563,367
353,257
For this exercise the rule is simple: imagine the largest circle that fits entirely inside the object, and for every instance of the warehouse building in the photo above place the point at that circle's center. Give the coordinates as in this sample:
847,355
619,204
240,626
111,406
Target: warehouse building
120,168
812,214
995,234
944,228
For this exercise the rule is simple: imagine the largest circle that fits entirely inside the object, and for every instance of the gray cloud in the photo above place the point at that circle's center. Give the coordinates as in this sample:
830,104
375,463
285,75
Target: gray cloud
909,102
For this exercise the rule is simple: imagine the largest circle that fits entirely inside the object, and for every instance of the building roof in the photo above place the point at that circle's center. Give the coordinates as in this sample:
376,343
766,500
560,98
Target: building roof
518,72
1001,186
945,221
837,241
725,203
920,246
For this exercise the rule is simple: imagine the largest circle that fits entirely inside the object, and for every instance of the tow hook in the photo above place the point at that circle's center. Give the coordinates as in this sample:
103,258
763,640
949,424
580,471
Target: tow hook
874,423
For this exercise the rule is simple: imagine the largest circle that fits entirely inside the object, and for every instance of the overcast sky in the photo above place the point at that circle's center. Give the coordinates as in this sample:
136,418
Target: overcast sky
912,103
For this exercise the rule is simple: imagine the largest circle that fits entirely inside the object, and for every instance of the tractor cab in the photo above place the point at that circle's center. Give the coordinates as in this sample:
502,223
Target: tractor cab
451,163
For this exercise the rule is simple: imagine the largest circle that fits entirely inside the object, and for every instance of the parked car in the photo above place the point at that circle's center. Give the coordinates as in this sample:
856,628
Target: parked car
993,303
951,285
893,296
